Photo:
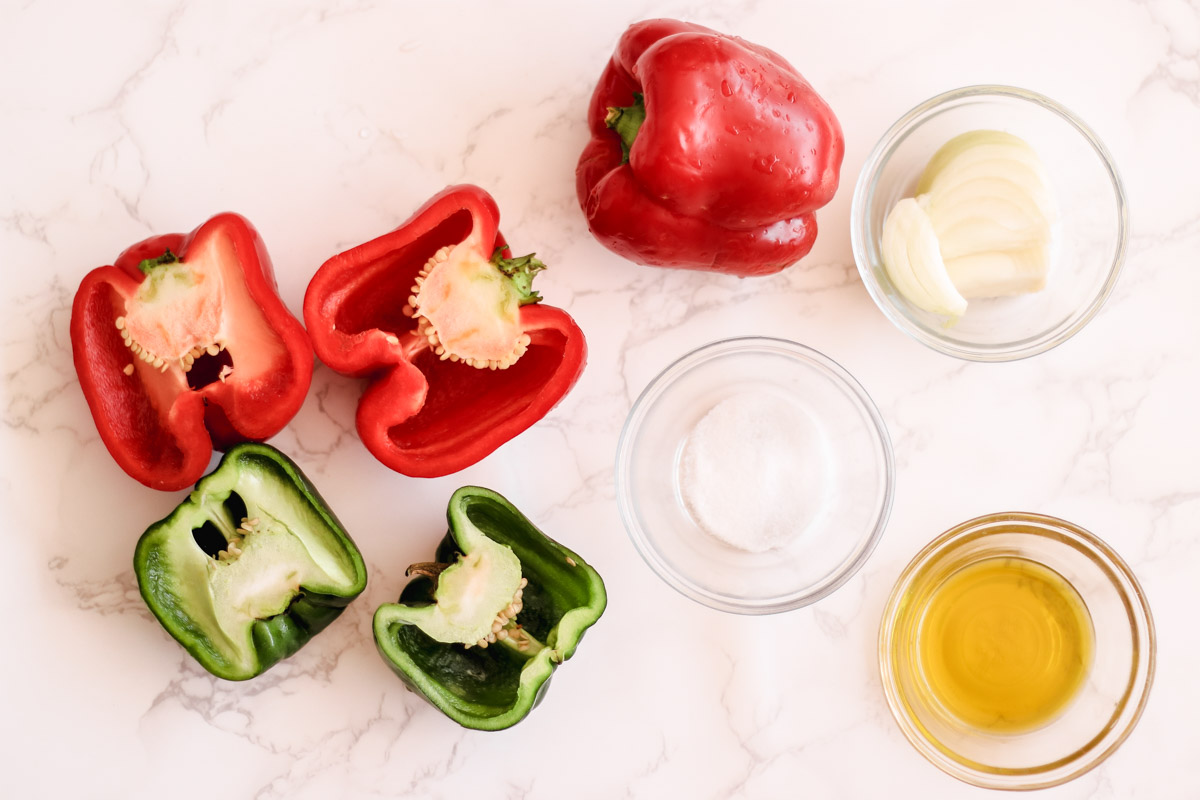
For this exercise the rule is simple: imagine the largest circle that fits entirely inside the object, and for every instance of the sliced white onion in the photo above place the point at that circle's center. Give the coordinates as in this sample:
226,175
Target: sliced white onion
914,263
980,226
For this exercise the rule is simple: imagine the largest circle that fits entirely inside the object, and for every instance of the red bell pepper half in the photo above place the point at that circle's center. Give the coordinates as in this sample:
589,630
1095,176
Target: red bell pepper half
707,152
183,345
461,354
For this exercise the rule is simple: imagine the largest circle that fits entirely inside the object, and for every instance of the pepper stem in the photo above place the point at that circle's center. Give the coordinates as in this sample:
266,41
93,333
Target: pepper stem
150,264
430,569
627,121
520,271
221,517
521,642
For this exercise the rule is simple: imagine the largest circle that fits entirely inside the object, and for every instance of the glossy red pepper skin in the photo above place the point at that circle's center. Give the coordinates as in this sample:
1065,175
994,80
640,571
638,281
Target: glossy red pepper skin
736,153
158,427
420,415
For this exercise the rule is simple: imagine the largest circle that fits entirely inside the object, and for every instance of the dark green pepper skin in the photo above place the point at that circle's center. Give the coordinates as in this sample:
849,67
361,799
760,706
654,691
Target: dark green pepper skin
495,687
175,564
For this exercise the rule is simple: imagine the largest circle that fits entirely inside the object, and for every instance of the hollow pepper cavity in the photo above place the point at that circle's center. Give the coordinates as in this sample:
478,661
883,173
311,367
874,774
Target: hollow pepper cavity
251,566
707,152
461,354
183,345
479,631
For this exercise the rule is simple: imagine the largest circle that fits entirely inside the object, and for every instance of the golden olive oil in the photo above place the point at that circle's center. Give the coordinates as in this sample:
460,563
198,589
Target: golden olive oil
1005,644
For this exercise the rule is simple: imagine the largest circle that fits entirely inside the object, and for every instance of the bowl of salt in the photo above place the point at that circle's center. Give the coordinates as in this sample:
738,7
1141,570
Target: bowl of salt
754,475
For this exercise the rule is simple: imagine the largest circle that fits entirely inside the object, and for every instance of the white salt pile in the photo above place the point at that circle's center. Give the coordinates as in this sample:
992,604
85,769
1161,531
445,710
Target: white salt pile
751,472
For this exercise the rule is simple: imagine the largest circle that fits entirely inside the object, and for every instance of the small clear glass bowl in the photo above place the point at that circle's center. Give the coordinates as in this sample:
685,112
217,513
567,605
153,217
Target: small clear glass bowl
851,450
1090,236
1109,702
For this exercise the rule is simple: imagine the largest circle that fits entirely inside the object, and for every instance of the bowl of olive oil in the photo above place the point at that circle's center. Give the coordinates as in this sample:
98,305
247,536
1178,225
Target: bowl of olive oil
1017,651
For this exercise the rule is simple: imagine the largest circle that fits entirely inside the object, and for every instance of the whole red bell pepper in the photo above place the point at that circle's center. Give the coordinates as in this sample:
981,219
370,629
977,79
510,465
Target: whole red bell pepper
707,152
461,354
183,345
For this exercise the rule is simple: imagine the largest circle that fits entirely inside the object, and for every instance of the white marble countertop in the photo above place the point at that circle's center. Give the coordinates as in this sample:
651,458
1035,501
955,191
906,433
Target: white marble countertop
327,128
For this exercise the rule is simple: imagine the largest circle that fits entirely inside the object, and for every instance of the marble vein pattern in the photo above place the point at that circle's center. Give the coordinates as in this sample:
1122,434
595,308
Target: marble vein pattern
327,124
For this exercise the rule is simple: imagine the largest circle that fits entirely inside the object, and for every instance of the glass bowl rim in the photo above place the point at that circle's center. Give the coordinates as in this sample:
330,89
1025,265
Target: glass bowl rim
1101,747
660,384
868,177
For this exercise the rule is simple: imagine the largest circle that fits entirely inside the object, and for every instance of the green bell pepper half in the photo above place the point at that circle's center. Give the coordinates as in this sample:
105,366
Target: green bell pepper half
427,637
252,565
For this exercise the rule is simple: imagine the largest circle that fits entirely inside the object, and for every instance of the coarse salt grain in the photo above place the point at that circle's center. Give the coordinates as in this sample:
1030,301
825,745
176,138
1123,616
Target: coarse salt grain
751,472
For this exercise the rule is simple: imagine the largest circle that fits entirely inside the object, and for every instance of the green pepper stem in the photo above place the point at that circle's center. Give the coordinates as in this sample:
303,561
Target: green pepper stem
520,271
430,569
626,121
222,518
150,264
519,641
